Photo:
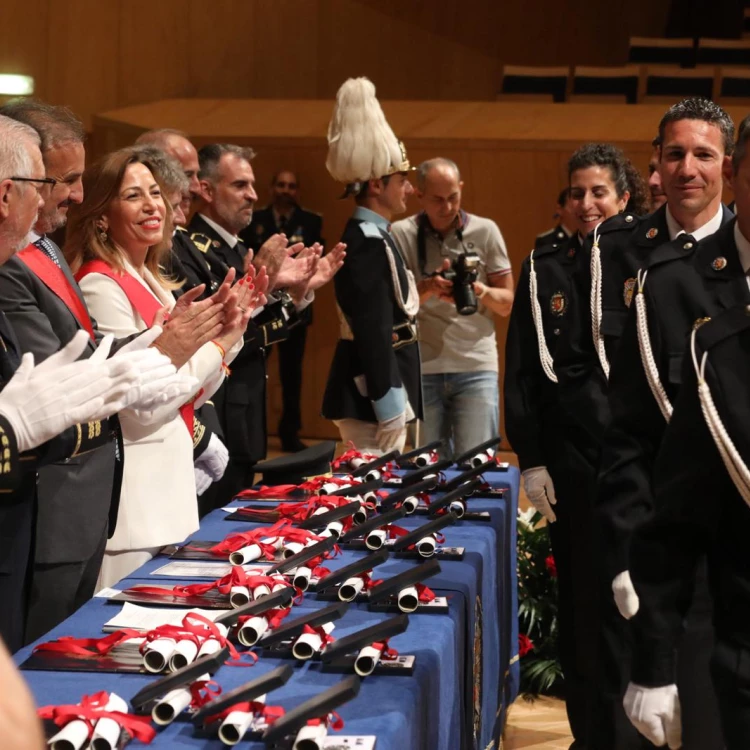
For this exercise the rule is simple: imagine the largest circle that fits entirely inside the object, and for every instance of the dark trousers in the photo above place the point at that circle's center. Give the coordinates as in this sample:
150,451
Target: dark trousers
17,538
291,355
570,537
59,589
730,673
700,715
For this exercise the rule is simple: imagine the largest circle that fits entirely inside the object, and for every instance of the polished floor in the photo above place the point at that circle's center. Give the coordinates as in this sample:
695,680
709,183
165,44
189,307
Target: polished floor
537,725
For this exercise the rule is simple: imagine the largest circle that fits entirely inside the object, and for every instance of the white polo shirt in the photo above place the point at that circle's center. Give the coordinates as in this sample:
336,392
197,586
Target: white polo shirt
450,342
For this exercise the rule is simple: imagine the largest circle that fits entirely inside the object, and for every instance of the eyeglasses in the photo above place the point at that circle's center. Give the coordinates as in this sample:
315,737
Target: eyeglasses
37,182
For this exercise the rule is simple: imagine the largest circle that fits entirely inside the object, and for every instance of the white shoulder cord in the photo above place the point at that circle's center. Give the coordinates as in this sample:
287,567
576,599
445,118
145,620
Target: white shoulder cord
536,313
596,302
647,355
411,305
736,467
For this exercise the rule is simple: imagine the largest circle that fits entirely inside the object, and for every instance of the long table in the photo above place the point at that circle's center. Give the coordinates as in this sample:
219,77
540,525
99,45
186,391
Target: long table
466,672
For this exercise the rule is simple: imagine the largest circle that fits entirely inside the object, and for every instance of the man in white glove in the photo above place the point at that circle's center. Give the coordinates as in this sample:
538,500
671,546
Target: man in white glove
211,464
655,713
537,483
42,401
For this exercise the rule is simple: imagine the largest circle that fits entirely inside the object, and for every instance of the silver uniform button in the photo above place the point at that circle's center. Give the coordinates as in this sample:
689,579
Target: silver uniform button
687,245
628,218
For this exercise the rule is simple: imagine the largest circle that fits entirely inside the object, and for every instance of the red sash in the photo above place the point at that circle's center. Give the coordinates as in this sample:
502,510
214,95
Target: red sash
54,279
143,302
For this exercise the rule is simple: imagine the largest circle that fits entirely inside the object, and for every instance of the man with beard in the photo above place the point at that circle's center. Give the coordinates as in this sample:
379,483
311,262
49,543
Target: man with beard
285,216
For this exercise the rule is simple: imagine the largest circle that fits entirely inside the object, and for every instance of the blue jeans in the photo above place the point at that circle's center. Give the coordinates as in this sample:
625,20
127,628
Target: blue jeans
461,408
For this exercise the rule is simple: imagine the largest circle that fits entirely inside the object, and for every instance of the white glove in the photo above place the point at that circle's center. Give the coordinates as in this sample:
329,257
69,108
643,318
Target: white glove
655,713
213,461
541,492
625,597
202,480
390,433
43,401
158,382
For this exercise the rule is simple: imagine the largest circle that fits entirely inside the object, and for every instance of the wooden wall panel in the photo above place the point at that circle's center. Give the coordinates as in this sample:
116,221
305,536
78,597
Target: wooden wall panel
23,40
154,53
82,68
221,53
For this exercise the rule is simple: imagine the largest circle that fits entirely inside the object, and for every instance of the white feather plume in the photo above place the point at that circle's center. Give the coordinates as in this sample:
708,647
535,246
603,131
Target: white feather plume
361,144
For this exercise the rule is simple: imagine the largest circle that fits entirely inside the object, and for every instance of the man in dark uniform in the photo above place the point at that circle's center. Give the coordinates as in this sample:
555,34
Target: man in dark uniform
374,385
285,216
565,228
226,206
701,499
692,174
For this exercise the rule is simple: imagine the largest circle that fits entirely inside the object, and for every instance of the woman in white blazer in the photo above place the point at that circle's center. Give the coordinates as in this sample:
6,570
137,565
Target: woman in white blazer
115,244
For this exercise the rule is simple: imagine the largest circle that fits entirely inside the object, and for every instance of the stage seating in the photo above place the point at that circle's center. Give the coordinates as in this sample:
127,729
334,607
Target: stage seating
534,84
655,51
723,52
613,85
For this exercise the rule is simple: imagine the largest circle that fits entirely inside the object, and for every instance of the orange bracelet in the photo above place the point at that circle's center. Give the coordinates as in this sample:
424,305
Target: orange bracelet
220,348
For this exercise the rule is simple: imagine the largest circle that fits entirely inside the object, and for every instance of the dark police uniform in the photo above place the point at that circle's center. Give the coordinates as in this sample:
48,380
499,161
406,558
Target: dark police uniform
543,434
555,236
301,226
18,488
686,283
241,401
699,512
194,264
378,346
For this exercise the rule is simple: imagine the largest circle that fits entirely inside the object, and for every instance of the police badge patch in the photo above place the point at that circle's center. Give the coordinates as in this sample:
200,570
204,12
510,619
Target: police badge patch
627,292
652,233
558,304
719,264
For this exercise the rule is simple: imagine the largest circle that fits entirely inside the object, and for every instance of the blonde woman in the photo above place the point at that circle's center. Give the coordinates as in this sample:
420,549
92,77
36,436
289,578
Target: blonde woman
115,244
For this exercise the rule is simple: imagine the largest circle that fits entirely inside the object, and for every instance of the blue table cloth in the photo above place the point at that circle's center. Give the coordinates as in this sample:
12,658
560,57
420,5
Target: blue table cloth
466,673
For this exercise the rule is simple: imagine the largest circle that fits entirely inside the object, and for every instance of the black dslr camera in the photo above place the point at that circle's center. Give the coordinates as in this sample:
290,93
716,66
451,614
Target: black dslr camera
463,273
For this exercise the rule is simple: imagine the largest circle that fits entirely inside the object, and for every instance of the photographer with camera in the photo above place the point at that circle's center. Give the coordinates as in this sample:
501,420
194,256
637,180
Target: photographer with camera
464,280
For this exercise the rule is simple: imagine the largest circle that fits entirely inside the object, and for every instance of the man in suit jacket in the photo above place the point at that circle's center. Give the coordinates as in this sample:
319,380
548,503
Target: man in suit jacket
78,496
284,215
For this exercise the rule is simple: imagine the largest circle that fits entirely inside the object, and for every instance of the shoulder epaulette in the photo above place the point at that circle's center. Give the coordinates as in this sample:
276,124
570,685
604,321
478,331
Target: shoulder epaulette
626,222
181,229
201,241
370,229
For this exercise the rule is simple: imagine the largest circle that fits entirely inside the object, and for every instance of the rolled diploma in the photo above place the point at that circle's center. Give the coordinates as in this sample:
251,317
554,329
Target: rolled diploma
372,475
423,459
239,596
252,630
481,458
312,640
233,728
252,552
171,705
309,737
458,507
410,504
292,548
158,653
333,529
261,590
329,488
107,731
366,661
355,463
211,645
280,586
350,588
408,599
426,546
185,653
73,736
376,539
302,577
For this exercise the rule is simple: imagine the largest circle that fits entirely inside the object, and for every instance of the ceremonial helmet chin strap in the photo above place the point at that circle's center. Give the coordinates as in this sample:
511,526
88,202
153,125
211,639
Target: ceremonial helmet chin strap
596,302
736,467
647,355
536,313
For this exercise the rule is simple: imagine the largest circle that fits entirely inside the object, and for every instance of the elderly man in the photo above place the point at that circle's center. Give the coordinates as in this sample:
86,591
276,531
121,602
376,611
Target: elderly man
44,306
459,349
37,404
